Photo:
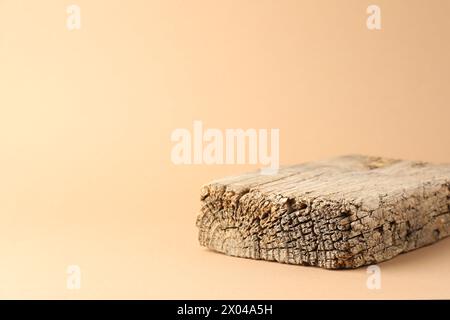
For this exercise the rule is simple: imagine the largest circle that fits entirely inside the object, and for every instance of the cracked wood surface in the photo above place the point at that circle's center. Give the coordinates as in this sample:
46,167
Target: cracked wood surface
344,212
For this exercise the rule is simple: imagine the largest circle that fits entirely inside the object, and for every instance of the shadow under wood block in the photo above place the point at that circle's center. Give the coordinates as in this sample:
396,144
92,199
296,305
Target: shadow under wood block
340,213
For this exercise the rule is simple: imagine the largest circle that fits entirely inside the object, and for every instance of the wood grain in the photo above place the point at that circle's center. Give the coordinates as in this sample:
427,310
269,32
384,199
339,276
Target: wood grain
344,212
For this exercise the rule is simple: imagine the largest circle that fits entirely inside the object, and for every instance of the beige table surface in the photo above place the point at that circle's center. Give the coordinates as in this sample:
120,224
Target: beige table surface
86,176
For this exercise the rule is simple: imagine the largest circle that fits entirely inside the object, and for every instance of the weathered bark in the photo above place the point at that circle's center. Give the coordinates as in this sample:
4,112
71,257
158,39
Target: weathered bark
340,213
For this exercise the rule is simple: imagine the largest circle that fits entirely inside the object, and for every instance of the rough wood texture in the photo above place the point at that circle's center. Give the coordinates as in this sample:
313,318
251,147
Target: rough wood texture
340,213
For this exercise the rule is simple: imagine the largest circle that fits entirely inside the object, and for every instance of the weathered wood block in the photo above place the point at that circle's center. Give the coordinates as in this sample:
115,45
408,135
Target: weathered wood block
340,213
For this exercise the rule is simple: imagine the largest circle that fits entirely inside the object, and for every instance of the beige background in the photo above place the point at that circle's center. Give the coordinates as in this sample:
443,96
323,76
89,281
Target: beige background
86,117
